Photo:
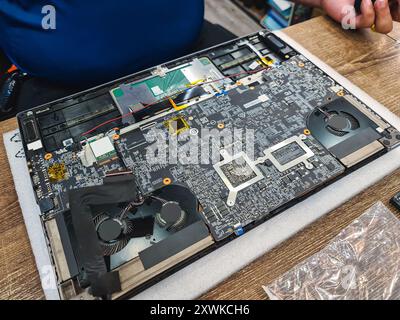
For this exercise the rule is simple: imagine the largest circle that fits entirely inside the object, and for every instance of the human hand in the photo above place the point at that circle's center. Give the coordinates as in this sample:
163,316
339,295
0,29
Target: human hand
381,14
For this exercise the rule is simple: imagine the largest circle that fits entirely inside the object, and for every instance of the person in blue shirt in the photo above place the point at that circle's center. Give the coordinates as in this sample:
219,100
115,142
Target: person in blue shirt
78,44
88,42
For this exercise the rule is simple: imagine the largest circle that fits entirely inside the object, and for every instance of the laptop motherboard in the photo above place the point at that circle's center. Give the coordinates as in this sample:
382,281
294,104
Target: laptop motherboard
137,178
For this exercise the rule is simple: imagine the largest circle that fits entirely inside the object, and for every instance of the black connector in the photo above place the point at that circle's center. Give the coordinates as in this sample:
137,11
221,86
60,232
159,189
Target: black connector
396,201
276,45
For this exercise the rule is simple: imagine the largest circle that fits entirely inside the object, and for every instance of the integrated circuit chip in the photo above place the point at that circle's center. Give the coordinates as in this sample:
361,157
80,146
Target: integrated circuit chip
238,172
288,153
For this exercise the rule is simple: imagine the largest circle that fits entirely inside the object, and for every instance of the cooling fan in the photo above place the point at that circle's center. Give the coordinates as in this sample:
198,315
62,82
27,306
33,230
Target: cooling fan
114,234
157,215
171,216
112,224
337,121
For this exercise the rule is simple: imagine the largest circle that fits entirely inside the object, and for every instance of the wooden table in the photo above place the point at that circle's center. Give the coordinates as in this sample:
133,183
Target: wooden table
370,60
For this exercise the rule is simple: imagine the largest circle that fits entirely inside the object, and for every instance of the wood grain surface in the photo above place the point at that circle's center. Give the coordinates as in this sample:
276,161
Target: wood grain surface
370,60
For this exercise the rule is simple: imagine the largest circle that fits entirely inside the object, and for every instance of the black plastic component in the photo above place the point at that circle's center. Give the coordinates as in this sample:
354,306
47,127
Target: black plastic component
46,204
173,244
109,230
395,201
171,212
106,284
189,95
30,130
357,5
363,138
276,45
143,227
67,245
147,112
118,189
58,125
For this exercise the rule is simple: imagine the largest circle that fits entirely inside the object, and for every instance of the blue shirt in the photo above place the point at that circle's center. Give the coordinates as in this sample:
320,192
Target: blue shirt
96,41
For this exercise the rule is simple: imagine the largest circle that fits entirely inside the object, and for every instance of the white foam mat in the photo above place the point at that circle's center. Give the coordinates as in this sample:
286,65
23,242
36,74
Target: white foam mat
31,212
202,275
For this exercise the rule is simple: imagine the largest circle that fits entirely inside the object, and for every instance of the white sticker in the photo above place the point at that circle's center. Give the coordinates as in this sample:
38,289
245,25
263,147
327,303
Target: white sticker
254,65
35,145
261,99
157,91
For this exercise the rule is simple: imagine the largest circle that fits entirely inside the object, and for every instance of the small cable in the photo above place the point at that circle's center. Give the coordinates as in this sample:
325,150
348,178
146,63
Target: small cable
326,114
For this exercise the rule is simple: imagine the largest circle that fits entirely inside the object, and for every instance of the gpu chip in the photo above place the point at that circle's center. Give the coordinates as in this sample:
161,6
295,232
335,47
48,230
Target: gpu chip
238,172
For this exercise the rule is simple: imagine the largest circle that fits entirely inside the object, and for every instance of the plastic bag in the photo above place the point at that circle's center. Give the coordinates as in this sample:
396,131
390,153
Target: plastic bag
362,262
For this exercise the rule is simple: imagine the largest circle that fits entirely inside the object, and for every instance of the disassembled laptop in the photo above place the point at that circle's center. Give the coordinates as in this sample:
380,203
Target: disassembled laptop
116,221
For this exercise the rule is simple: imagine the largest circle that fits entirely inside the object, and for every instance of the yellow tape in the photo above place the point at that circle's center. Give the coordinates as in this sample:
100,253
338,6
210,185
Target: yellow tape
177,108
267,61
194,83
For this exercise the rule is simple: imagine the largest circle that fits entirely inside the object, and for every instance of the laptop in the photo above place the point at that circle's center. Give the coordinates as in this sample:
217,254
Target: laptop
137,178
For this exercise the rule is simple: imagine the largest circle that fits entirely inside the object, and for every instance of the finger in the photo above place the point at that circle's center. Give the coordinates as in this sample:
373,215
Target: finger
367,17
383,20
